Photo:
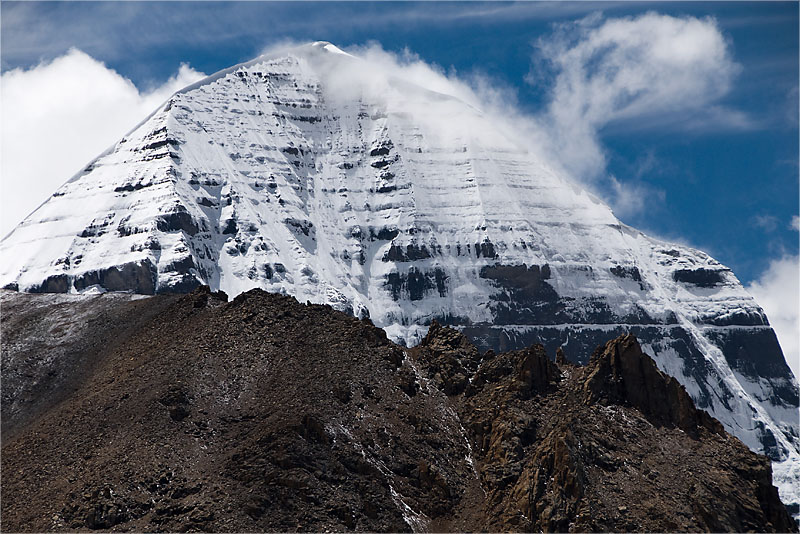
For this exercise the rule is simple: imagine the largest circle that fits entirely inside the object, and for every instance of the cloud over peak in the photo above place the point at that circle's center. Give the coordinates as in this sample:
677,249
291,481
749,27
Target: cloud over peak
778,291
58,115
648,71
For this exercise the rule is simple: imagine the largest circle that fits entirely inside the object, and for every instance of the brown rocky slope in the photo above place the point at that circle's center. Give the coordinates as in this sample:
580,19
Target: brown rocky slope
263,414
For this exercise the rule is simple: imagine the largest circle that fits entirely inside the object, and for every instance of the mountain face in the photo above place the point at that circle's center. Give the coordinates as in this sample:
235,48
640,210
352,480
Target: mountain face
188,413
312,174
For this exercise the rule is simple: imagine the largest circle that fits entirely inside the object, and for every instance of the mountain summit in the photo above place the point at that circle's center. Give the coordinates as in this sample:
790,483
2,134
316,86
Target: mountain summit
314,173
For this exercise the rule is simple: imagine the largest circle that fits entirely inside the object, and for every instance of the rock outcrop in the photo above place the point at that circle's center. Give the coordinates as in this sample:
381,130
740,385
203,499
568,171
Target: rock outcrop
610,446
620,373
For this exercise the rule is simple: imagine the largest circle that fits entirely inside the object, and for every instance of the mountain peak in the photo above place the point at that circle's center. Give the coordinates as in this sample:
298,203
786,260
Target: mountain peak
300,177
328,47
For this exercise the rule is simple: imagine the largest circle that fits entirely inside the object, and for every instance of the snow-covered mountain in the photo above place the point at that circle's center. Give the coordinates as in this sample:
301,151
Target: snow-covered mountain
396,202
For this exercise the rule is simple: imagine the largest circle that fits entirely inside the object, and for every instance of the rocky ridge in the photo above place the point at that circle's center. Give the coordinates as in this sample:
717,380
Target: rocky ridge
263,414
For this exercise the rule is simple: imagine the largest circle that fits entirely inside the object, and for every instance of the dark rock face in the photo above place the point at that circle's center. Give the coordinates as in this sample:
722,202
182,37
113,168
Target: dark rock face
620,373
383,234
627,272
180,220
58,283
738,345
448,358
138,277
416,284
262,414
412,252
699,277
578,343
524,296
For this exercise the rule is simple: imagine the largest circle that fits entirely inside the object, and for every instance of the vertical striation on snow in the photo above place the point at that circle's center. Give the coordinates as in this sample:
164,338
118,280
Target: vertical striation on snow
291,174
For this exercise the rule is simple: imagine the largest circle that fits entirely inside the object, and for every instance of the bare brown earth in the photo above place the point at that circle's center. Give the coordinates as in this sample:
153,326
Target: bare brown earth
187,413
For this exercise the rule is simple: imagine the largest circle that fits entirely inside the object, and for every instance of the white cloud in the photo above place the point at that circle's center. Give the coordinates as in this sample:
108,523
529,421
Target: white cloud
544,135
766,222
649,71
795,224
57,116
778,292
633,197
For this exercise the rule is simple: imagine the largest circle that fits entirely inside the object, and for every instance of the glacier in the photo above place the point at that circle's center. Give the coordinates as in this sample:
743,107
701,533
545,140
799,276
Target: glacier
309,173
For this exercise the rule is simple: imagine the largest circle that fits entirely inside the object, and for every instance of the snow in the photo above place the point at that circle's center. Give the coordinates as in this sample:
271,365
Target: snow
298,172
